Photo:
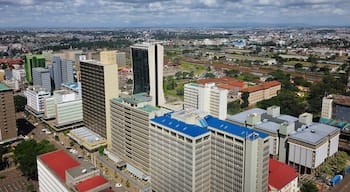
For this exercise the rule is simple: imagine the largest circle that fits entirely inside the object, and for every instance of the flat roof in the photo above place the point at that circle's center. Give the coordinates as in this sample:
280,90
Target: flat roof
269,126
87,135
314,133
59,161
149,108
234,129
77,171
91,183
179,126
3,87
242,117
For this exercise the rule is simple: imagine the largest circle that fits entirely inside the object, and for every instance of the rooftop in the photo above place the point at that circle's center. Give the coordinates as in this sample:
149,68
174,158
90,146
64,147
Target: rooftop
340,99
280,174
269,126
149,108
314,133
59,162
91,183
242,117
138,98
179,126
234,129
261,86
3,87
224,82
40,69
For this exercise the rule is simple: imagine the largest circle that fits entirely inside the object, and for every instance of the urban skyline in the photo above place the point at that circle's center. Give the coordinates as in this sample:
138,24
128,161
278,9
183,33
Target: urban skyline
174,13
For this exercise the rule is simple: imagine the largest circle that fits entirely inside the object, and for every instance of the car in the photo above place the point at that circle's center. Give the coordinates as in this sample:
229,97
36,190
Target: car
80,156
118,185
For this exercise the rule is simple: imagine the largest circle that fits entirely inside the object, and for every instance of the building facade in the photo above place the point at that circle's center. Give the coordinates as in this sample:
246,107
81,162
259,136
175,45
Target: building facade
57,71
32,61
261,92
36,99
208,98
8,129
41,77
121,59
336,107
147,65
99,84
108,57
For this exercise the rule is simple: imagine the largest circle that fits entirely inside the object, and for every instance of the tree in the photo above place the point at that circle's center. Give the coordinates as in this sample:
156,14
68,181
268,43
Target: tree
309,186
233,107
232,73
244,97
129,81
127,183
209,75
179,75
26,152
20,102
101,150
298,66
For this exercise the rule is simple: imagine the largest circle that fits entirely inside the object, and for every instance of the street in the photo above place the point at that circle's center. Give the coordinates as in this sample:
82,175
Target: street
344,185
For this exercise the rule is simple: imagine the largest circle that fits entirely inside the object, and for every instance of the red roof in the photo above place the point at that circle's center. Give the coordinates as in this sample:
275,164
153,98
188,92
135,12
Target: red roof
224,82
261,86
59,162
91,183
280,174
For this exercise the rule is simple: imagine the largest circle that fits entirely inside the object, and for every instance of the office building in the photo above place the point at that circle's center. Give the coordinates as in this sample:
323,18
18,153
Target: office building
130,131
108,57
65,106
147,66
121,59
282,178
36,99
192,151
179,155
67,71
99,84
8,129
19,74
207,97
297,141
336,107
57,71
261,92
41,77
59,172
2,75
33,61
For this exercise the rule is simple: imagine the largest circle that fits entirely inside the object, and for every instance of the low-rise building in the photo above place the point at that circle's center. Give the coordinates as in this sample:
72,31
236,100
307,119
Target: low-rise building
282,178
261,92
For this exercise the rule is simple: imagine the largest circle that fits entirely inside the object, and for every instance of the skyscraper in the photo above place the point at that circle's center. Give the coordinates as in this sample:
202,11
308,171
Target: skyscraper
99,83
41,77
8,128
67,71
32,61
147,65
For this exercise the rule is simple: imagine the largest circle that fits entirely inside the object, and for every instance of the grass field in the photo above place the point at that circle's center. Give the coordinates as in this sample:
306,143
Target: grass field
308,64
186,66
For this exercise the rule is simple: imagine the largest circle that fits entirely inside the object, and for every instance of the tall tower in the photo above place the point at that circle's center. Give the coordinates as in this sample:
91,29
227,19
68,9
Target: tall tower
147,66
99,84
8,128
57,73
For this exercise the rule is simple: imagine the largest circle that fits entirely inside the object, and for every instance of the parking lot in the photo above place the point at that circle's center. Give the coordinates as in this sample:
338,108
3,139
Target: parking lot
12,180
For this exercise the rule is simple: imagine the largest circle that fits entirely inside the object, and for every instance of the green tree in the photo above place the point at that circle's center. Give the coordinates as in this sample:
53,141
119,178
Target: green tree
244,97
179,75
233,107
232,73
129,81
127,184
20,102
309,186
298,66
26,152
101,150
209,75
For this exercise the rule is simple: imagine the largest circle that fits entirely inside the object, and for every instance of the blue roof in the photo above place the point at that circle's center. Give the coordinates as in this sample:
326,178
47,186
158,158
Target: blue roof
187,129
234,129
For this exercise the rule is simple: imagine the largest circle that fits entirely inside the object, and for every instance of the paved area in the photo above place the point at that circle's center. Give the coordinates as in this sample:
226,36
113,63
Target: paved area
12,180
343,186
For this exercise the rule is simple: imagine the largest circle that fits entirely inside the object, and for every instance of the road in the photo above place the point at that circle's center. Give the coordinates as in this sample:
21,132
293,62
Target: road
343,186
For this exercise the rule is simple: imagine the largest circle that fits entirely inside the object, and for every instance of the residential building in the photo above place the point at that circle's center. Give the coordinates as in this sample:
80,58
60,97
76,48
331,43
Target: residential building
59,172
41,77
99,83
130,131
108,57
57,71
19,74
32,61
207,98
147,65
65,106
294,140
121,59
192,151
261,92
8,129
282,178
36,99
336,107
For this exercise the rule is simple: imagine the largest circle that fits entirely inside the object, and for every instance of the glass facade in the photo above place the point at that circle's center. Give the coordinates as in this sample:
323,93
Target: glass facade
341,113
140,70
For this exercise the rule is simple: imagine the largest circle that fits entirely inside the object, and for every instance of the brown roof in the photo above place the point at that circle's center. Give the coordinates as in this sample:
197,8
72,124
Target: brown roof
261,86
340,99
224,82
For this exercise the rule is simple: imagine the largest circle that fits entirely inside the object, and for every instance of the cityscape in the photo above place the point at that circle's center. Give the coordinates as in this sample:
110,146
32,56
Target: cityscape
170,96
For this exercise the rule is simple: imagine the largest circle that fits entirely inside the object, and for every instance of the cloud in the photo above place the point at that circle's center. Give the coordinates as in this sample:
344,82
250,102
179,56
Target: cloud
119,13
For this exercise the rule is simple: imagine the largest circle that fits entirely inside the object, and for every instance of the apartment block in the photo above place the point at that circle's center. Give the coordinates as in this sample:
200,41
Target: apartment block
207,98
8,129
130,131
261,92
99,84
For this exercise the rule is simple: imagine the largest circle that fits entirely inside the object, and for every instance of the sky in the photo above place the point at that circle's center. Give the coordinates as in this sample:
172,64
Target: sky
172,13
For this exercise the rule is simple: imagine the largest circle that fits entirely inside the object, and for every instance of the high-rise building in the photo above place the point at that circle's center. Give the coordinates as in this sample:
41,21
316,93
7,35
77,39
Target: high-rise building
41,77
207,98
190,151
57,72
99,84
121,59
67,71
130,131
8,128
147,66
32,61
36,99
108,57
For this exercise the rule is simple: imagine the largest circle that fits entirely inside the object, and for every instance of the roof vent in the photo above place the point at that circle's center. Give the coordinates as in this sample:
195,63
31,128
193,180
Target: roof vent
313,131
83,171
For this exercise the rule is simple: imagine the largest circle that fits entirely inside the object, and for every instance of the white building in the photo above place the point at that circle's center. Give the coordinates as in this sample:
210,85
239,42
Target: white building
19,75
36,98
207,98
